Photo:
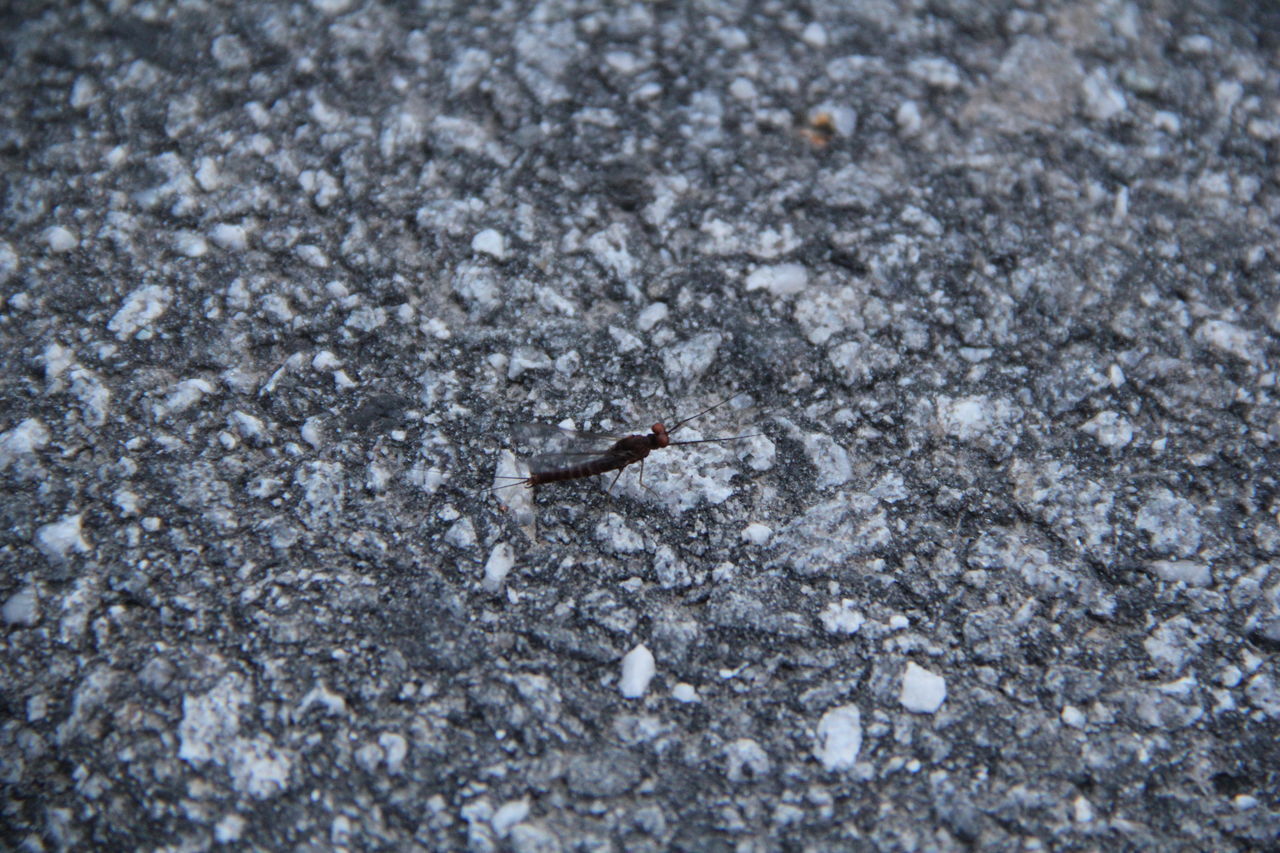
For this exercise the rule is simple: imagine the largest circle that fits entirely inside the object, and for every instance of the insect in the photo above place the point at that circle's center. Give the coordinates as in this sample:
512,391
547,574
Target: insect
819,129
624,451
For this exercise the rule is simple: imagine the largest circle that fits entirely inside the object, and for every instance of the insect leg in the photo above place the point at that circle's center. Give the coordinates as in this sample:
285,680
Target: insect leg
614,481
519,481
642,485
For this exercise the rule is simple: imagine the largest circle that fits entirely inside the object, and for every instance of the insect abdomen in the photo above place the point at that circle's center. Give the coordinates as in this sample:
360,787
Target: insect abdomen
577,472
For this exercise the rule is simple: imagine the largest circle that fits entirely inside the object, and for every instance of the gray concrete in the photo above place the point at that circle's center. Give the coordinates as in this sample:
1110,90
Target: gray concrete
999,286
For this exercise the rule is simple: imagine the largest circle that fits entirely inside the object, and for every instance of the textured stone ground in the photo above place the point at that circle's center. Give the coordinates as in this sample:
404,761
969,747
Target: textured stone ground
999,286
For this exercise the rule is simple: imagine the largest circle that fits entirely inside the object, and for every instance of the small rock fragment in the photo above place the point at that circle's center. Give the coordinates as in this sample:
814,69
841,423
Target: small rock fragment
638,669
923,692
839,738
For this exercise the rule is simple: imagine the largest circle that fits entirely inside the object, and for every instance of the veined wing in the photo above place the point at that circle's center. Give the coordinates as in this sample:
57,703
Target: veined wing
554,447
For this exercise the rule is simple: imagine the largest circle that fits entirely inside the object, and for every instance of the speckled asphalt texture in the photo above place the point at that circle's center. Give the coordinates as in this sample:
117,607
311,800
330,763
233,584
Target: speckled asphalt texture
997,282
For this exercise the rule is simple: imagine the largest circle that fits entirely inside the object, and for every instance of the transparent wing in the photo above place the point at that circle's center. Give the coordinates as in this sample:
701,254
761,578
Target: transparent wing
544,438
548,447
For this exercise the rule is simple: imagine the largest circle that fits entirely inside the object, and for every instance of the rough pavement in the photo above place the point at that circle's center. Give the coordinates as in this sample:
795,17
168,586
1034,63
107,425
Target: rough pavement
999,284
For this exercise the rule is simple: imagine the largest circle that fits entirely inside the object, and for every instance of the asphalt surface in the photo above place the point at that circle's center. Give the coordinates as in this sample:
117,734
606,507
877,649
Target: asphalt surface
996,566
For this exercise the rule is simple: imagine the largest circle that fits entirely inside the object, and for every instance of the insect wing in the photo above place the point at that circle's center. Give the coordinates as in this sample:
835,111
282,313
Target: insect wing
554,447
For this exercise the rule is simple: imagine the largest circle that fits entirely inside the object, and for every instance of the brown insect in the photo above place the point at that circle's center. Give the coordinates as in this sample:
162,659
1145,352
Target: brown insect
626,450
819,129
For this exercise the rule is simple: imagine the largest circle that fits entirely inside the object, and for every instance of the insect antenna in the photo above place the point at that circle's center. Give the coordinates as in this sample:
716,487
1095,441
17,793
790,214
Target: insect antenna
700,414
708,440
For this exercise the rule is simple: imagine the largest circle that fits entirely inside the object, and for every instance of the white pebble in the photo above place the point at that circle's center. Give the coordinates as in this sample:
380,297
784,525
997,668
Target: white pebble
922,691
524,359
684,692
1167,121
1196,44
814,35
616,537
190,244
756,533
651,316
490,242
229,829
841,618
685,362
743,89
83,93
395,748
207,175
325,360
638,669
140,309
1103,100
461,534
937,72
622,62
966,418
312,432
57,359
1230,339
496,569
331,7
229,236
508,815
60,239
779,279
57,539
127,501
908,118
22,608
1111,429
184,395
1190,572
839,738
26,438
